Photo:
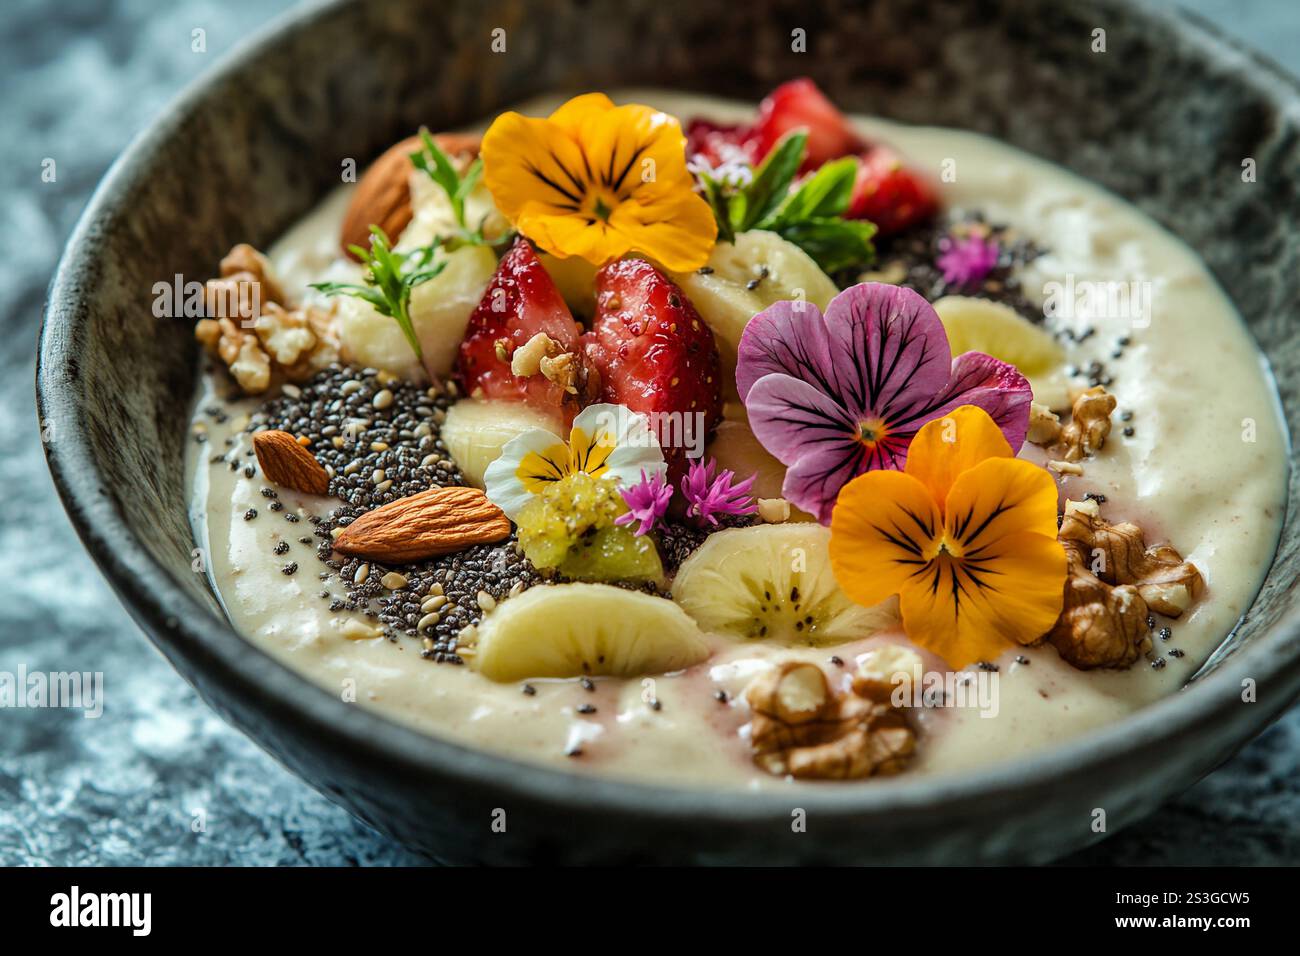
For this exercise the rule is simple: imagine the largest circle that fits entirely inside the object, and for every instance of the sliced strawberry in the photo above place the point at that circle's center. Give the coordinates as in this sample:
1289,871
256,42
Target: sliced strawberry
718,143
889,194
520,301
655,355
799,104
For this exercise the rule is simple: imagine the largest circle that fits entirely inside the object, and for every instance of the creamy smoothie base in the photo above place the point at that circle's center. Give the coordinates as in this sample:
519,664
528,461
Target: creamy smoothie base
1195,458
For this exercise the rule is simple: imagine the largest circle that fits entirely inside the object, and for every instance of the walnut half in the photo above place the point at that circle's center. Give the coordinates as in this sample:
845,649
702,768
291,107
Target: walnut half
1114,581
802,729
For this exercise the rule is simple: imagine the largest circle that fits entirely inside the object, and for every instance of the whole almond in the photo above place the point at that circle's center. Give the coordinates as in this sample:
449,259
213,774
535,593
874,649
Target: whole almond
383,196
431,523
287,463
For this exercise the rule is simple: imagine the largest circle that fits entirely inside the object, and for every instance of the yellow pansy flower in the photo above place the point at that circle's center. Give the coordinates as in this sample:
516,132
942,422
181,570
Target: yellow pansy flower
606,441
598,181
965,536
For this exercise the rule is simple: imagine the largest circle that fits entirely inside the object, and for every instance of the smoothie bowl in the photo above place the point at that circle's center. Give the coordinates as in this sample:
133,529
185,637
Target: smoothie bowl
797,464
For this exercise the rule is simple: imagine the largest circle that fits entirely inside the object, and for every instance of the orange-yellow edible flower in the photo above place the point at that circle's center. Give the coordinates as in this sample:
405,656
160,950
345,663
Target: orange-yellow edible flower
965,536
598,181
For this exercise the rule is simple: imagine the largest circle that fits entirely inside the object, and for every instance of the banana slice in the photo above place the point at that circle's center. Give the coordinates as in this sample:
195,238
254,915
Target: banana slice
774,583
433,216
475,432
724,298
440,310
370,339
576,630
979,325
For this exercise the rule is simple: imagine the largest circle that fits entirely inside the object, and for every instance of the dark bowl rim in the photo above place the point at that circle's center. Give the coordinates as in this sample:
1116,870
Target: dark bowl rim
172,617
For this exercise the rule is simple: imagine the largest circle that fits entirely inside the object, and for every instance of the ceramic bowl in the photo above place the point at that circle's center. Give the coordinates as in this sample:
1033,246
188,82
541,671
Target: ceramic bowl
1164,118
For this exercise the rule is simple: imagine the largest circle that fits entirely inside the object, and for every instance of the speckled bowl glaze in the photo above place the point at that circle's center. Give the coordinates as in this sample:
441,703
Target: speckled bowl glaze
1164,118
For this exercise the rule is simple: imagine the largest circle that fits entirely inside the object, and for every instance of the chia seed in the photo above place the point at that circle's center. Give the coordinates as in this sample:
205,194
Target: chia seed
290,569
282,547
587,709
250,514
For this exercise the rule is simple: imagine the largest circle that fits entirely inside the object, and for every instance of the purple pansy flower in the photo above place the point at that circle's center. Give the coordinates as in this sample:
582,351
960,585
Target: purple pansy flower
647,501
708,495
835,396
966,260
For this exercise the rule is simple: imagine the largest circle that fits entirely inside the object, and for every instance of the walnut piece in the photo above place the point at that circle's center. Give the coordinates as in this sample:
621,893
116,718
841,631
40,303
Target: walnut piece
527,359
802,729
1083,435
1114,581
1044,426
253,332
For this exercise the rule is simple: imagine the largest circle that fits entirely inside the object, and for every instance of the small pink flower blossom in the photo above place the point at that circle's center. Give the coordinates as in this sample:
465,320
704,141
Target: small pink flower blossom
708,495
966,261
647,500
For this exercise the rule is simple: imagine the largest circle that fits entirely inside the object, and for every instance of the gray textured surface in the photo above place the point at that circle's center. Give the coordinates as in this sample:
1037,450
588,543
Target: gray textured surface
125,788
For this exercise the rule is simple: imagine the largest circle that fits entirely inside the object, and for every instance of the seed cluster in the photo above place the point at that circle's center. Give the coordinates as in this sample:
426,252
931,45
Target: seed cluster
913,255
377,436
678,540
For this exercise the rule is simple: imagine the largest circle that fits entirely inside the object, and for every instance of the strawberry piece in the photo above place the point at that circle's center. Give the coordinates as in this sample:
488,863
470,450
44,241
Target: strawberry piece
520,301
718,143
889,194
655,355
799,104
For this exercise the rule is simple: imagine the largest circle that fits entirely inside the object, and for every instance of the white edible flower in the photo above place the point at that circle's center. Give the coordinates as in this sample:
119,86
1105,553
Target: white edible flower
606,441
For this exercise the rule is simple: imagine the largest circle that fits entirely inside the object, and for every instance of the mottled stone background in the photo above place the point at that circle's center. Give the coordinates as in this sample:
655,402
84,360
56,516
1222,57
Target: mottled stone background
80,78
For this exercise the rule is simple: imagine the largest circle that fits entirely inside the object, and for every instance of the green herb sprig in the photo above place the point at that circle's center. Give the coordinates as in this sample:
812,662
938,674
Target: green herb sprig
810,216
390,278
437,165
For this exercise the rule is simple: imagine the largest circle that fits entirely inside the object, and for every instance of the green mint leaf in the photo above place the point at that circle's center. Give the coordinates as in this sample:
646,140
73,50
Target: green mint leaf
823,195
771,183
834,244
715,195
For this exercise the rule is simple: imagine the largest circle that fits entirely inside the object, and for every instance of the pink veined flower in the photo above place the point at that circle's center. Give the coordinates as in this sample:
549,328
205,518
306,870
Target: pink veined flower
708,495
966,260
835,396
647,500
